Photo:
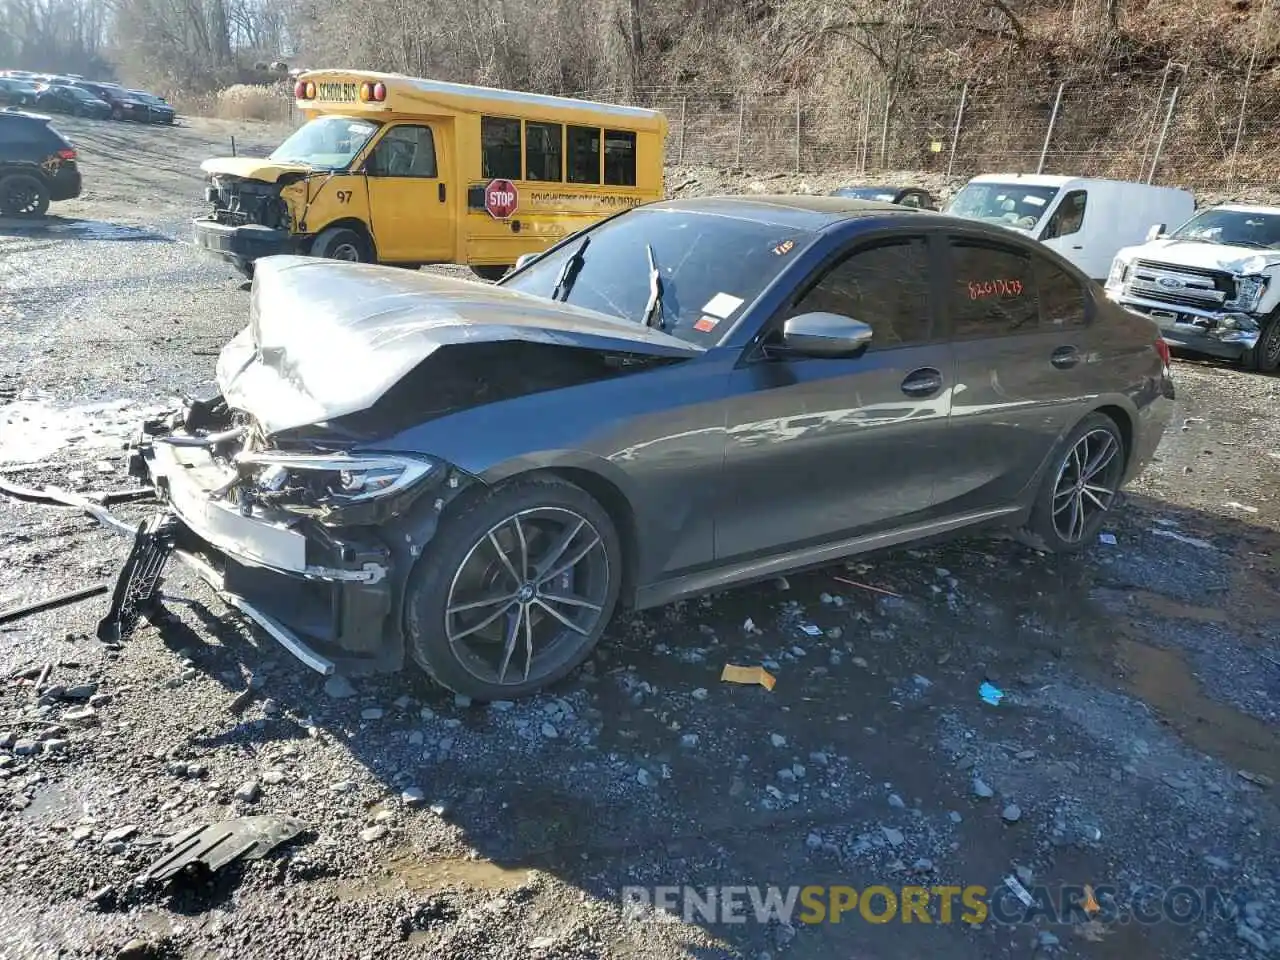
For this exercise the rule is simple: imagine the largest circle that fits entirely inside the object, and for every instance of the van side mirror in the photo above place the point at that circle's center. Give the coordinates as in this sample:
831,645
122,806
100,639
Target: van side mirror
1157,231
825,335
525,259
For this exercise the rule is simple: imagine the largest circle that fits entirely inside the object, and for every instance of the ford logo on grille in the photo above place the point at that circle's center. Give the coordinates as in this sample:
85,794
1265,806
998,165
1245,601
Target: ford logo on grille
1171,283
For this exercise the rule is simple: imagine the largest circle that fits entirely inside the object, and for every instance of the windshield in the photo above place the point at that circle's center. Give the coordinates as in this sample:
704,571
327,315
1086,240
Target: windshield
1012,204
1234,227
328,143
709,266
866,193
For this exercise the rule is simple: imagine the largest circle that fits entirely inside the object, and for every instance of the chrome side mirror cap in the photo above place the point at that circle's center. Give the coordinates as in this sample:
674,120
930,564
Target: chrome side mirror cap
825,335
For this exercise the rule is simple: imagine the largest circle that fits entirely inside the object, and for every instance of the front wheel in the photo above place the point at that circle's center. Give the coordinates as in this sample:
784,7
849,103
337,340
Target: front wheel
1265,355
23,195
341,243
514,590
490,273
1080,487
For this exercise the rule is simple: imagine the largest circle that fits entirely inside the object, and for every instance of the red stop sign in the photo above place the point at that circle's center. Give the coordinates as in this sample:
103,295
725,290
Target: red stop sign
500,199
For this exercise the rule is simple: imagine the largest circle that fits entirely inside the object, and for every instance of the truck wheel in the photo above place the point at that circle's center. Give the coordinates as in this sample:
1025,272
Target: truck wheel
491,273
341,243
22,195
1265,356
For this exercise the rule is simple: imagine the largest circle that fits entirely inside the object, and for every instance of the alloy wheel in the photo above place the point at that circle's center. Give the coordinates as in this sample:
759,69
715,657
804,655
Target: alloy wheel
21,200
528,596
1087,483
1271,347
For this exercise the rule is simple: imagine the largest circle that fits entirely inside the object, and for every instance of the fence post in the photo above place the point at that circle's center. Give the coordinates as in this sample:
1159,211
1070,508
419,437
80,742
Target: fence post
1244,100
233,146
955,134
684,108
866,130
884,130
1053,119
1164,131
797,131
742,118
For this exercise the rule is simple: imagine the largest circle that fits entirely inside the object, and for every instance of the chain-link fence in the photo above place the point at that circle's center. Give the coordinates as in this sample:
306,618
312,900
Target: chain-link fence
1169,128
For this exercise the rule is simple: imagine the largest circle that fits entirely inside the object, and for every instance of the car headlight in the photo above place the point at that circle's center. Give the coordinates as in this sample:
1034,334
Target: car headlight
304,483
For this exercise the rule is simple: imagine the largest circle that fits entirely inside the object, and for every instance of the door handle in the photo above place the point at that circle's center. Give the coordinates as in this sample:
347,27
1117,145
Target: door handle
1078,246
922,383
1064,358
441,192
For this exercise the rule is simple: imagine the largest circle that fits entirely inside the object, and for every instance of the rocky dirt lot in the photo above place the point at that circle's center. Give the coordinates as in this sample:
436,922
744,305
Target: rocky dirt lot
1135,748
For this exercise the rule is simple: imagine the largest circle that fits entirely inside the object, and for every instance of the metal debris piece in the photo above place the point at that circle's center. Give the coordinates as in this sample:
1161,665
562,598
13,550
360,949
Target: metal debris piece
49,603
748,675
215,845
867,586
135,594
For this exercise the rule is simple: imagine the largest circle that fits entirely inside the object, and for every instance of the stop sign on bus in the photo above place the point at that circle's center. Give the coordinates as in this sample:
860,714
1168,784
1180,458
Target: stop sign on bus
500,199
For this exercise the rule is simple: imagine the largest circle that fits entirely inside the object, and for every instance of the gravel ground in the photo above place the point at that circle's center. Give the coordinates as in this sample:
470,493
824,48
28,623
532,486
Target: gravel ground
1135,748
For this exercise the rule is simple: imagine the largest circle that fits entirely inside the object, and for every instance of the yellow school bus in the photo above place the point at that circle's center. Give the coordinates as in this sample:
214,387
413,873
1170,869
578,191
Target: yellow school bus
405,171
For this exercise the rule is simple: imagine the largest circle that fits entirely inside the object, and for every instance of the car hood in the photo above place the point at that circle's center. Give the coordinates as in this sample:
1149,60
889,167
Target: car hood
252,168
327,339
1212,256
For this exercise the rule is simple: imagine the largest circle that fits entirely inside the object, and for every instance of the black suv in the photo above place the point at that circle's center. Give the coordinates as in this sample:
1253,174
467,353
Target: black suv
37,164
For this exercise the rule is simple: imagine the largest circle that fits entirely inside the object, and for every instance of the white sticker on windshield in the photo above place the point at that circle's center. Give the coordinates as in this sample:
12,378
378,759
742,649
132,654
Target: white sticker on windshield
1033,200
722,305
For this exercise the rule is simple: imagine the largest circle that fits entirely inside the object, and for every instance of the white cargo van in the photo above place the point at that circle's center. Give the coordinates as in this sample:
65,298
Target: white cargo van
1087,221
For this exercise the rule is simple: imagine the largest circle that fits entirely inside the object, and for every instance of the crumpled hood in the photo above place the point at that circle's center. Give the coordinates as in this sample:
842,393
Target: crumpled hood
1196,253
326,339
252,168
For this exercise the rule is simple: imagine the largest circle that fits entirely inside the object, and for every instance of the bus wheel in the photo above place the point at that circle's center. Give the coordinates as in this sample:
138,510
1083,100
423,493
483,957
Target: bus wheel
340,243
489,272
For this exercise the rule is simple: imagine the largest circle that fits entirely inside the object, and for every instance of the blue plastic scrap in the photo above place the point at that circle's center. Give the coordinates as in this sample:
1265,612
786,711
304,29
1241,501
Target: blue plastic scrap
991,694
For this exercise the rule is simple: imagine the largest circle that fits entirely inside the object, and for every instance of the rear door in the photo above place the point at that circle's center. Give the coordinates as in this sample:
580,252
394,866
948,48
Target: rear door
1028,362
828,449
408,174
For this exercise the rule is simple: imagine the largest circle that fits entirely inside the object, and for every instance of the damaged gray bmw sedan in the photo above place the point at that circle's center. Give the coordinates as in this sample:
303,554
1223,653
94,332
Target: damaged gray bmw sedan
685,396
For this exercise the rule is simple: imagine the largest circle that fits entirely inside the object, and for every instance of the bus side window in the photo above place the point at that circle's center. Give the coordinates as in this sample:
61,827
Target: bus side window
500,148
620,158
542,152
584,154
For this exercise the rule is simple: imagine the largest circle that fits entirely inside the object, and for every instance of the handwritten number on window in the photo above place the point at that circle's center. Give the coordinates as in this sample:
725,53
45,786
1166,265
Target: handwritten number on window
981,289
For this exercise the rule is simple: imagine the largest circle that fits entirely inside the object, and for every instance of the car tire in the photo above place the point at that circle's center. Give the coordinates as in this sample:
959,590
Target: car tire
1265,355
1055,525
470,622
341,243
244,267
23,195
490,273
117,113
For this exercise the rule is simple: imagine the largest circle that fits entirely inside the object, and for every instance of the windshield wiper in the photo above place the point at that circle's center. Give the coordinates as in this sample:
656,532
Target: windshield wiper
653,309
564,283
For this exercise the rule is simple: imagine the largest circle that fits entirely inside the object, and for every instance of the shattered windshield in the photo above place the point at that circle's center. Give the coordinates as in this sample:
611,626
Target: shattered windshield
1011,204
1233,227
709,266
327,143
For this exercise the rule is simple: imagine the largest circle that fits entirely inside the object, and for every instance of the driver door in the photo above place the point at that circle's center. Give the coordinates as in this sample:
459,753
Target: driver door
410,214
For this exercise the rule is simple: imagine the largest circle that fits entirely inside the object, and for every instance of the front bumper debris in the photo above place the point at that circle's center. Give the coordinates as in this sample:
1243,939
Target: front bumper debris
137,585
246,242
1229,335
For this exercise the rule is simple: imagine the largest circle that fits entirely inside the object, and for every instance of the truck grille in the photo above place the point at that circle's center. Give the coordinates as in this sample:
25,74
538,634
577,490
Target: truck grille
1179,285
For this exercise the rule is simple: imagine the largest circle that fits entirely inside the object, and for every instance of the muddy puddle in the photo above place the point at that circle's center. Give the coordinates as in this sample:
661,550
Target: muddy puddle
33,430
408,871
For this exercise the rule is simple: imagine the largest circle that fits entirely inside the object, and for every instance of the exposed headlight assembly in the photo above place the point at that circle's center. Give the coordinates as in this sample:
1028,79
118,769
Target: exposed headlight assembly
349,479
1119,267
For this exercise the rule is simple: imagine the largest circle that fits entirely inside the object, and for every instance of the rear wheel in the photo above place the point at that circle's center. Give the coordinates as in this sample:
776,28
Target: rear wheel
341,243
1080,487
514,590
23,195
491,273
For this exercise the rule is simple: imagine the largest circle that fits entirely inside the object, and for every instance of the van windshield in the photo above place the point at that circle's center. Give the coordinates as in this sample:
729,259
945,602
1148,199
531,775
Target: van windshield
1016,205
326,143
1241,228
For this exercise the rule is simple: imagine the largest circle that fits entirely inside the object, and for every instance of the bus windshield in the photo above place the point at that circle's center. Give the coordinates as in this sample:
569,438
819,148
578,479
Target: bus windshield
326,143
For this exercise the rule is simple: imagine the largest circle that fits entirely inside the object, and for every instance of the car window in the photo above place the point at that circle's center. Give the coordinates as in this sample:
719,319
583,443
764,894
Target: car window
404,151
21,132
885,286
1062,299
711,266
992,292
1069,217
910,200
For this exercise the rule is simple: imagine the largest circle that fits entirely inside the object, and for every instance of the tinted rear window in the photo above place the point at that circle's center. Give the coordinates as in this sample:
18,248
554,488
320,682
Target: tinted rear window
23,131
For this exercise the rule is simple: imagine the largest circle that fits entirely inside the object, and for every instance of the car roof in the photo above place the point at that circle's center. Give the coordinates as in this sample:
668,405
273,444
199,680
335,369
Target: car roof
26,116
802,211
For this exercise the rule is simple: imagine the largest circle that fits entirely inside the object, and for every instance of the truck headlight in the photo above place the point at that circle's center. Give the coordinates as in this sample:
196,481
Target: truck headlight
1249,291
1118,270
324,484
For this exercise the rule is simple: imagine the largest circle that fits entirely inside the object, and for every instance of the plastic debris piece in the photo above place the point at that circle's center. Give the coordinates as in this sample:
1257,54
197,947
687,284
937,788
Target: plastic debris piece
1237,505
1019,890
215,845
1108,538
811,630
867,586
733,673
1183,538
991,694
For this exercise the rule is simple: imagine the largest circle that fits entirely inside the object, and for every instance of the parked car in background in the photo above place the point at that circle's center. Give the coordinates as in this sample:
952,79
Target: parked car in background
72,100
37,165
159,110
1212,284
407,467
1086,221
904,196
17,93
123,105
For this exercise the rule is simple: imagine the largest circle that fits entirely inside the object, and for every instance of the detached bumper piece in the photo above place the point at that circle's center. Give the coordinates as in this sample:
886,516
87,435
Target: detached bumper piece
247,242
136,592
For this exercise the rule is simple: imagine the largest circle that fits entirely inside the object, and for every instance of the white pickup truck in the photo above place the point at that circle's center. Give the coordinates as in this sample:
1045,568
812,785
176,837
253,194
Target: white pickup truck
1213,284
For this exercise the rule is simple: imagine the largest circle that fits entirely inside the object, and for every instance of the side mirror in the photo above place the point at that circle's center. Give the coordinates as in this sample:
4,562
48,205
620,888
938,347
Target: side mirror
525,259
1156,232
825,335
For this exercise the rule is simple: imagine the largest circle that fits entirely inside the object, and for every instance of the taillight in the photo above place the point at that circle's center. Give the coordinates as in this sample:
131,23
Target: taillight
1162,348
379,92
300,90
67,154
